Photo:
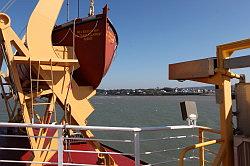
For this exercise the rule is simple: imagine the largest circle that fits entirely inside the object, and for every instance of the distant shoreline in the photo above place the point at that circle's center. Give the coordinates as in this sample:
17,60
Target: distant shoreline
166,91
162,95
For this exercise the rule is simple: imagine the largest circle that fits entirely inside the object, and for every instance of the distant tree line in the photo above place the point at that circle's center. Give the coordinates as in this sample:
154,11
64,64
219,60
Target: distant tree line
156,91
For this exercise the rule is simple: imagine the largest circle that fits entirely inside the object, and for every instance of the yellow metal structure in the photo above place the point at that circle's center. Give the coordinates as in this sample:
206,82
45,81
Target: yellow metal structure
200,145
222,79
50,77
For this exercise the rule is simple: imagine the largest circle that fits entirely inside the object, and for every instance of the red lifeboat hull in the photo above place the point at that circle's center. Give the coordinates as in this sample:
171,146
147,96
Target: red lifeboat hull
94,40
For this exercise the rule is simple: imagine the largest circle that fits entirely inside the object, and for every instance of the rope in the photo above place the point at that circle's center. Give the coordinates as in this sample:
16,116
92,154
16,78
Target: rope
8,66
83,36
62,38
3,8
7,5
74,35
71,75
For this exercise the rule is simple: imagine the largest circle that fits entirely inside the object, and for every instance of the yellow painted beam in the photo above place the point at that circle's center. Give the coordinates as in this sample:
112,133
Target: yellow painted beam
200,145
40,27
201,149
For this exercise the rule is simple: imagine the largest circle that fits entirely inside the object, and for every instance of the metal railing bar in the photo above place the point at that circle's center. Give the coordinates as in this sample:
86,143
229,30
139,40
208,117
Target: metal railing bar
161,151
196,146
178,127
210,130
27,162
93,139
210,152
60,147
101,128
104,140
192,158
94,152
25,136
167,138
24,149
68,138
205,138
73,151
80,164
163,162
137,148
53,126
48,163
16,136
159,128
189,158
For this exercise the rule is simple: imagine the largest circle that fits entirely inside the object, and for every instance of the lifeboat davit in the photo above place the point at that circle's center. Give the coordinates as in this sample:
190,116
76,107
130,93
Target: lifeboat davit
94,40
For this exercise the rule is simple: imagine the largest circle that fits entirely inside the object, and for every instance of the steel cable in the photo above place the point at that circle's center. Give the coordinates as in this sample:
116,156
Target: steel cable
8,5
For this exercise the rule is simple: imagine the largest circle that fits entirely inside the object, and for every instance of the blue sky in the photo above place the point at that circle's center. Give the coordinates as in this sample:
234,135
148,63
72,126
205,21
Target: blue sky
155,33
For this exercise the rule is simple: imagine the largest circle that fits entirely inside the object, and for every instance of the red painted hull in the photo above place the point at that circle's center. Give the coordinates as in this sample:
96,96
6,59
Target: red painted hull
95,42
86,158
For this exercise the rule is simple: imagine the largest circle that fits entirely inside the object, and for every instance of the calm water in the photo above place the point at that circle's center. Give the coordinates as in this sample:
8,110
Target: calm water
150,110
132,111
145,111
153,111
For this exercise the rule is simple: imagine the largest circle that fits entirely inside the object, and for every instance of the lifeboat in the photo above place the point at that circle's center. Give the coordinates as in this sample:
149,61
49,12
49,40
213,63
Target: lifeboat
94,40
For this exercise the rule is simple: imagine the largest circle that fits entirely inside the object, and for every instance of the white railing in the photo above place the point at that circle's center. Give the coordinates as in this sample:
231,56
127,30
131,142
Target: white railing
137,141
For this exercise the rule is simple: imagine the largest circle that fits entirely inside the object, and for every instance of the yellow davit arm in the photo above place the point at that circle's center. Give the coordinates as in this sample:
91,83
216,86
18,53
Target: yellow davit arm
40,26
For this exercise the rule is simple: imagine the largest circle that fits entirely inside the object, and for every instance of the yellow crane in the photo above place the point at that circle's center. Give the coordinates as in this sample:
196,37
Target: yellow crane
50,78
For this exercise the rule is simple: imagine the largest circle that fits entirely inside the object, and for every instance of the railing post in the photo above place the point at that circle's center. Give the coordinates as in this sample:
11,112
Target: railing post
60,147
137,147
201,149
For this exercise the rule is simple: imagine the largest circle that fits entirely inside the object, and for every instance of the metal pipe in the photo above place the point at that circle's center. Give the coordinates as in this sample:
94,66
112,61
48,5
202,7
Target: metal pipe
102,128
95,152
25,149
27,162
137,148
185,150
60,147
210,130
167,138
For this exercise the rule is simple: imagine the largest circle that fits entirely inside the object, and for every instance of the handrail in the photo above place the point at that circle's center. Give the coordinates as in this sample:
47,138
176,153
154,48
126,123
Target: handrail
211,130
104,128
201,140
195,146
136,141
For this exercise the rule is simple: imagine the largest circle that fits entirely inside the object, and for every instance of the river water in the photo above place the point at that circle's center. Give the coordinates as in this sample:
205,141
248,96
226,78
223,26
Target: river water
143,111
150,110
